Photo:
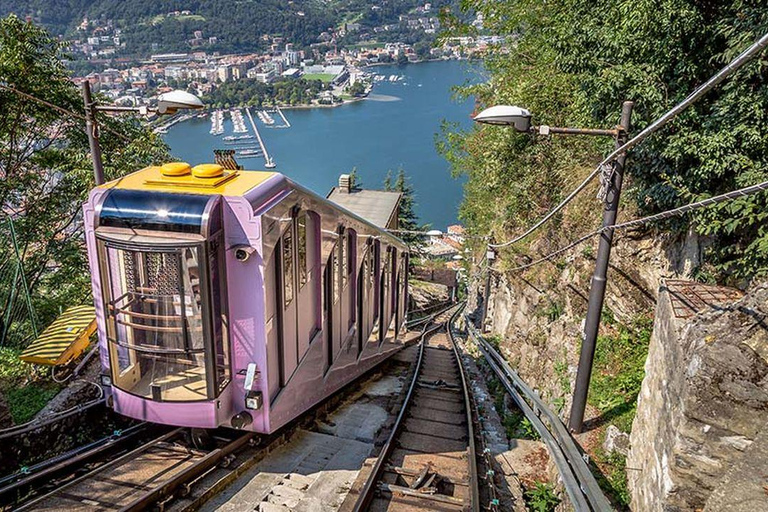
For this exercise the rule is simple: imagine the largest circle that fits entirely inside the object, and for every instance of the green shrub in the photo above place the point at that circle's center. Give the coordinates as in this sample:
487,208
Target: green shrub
541,498
24,402
12,369
619,371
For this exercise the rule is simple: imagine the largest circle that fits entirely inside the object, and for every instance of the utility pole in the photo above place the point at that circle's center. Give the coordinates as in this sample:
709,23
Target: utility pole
92,130
597,288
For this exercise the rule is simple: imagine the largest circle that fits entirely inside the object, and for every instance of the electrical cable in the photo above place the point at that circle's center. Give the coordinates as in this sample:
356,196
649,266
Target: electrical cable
746,56
61,110
675,212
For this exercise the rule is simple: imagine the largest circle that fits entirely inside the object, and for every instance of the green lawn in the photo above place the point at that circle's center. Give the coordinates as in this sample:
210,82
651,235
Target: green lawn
366,44
323,77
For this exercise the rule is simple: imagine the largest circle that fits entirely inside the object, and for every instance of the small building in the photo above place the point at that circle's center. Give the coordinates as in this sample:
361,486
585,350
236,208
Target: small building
379,207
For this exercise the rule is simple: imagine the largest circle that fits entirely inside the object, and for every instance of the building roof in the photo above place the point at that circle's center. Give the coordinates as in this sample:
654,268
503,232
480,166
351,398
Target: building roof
378,207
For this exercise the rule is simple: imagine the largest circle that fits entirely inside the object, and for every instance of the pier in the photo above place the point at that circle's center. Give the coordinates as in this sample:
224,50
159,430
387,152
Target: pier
286,124
268,163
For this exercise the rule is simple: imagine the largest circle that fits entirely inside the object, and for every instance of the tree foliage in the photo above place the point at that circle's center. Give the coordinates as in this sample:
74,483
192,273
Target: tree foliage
251,92
407,219
572,63
239,26
45,170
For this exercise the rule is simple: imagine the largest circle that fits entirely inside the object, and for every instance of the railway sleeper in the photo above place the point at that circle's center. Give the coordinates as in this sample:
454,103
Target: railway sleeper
433,496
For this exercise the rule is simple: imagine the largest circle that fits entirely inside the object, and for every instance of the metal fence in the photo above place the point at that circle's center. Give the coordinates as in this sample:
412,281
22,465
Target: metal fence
18,324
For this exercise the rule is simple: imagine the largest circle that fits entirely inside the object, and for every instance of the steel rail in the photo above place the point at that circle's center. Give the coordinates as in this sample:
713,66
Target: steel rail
442,308
111,464
475,494
188,475
568,457
67,459
367,492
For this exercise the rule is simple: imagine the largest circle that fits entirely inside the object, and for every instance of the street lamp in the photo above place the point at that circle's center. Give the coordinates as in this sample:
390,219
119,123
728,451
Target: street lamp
167,103
520,120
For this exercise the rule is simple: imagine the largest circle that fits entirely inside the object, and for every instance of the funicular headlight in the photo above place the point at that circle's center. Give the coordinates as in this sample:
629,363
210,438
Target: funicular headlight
253,400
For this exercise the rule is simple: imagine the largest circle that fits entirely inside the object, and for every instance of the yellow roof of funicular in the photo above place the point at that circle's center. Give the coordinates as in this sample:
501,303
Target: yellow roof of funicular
181,178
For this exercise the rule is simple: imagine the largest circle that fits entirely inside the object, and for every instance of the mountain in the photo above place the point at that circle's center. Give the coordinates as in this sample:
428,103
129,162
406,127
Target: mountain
236,25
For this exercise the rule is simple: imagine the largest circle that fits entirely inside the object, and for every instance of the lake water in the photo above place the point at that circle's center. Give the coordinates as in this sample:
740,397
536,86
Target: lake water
394,128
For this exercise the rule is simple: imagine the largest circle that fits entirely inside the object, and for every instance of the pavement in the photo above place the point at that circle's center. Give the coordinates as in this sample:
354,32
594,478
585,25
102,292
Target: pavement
314,471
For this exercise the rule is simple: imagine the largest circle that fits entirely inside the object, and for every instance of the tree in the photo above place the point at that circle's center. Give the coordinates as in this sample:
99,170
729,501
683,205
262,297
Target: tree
572,64
407,219
356,89
354,179
402,59
45,167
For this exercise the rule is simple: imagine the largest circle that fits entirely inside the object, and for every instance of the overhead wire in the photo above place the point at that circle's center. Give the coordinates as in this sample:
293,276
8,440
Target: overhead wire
61,110
746,56
675,212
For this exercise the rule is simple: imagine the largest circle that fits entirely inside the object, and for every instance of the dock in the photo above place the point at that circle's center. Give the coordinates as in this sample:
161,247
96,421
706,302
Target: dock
286,124
268,163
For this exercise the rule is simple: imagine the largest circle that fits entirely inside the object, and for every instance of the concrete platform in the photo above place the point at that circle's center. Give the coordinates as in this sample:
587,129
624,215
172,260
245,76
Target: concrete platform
316,468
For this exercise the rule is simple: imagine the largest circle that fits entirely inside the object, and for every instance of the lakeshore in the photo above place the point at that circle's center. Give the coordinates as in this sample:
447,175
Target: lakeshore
325,142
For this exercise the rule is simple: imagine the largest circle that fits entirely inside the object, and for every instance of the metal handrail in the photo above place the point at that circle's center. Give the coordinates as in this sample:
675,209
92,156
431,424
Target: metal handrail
579,482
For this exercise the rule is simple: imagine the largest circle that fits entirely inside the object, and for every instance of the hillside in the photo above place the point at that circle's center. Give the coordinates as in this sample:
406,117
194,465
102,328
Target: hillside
231,26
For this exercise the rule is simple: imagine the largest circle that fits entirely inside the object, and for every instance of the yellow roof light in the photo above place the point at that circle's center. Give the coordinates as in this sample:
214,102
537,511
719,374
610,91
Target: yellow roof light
176,169
207,171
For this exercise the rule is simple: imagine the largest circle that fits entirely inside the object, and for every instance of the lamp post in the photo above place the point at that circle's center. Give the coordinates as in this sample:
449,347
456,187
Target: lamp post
520,119
167,103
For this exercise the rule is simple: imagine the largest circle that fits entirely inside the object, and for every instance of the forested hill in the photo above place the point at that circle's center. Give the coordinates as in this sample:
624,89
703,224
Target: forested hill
237,25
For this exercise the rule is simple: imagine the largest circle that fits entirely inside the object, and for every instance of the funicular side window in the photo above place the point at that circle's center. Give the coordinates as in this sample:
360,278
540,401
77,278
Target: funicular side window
167,339
287,246
301,228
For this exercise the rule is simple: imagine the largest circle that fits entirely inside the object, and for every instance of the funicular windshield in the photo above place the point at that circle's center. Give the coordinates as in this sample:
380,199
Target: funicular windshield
164,343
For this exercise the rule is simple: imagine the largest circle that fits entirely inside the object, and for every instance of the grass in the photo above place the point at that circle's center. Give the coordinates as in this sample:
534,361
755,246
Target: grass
619,371
612,476
24,402
12,369
323,77
515,424
24,398
618,374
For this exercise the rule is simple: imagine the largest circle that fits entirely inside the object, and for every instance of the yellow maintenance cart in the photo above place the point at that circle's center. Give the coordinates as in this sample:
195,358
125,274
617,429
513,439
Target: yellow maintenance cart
65,339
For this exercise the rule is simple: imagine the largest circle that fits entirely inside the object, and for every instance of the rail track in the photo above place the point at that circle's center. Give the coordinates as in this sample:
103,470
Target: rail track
161,472
428,461
147,475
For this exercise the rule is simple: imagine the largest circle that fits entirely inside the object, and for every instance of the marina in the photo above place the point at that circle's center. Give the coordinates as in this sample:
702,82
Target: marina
217,122
238,121
324,142
268,162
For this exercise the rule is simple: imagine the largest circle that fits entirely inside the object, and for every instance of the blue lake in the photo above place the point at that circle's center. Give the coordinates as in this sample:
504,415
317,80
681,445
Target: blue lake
394,128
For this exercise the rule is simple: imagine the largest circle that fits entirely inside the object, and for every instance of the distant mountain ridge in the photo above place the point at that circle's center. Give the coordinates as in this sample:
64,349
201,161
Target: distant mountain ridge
236,25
